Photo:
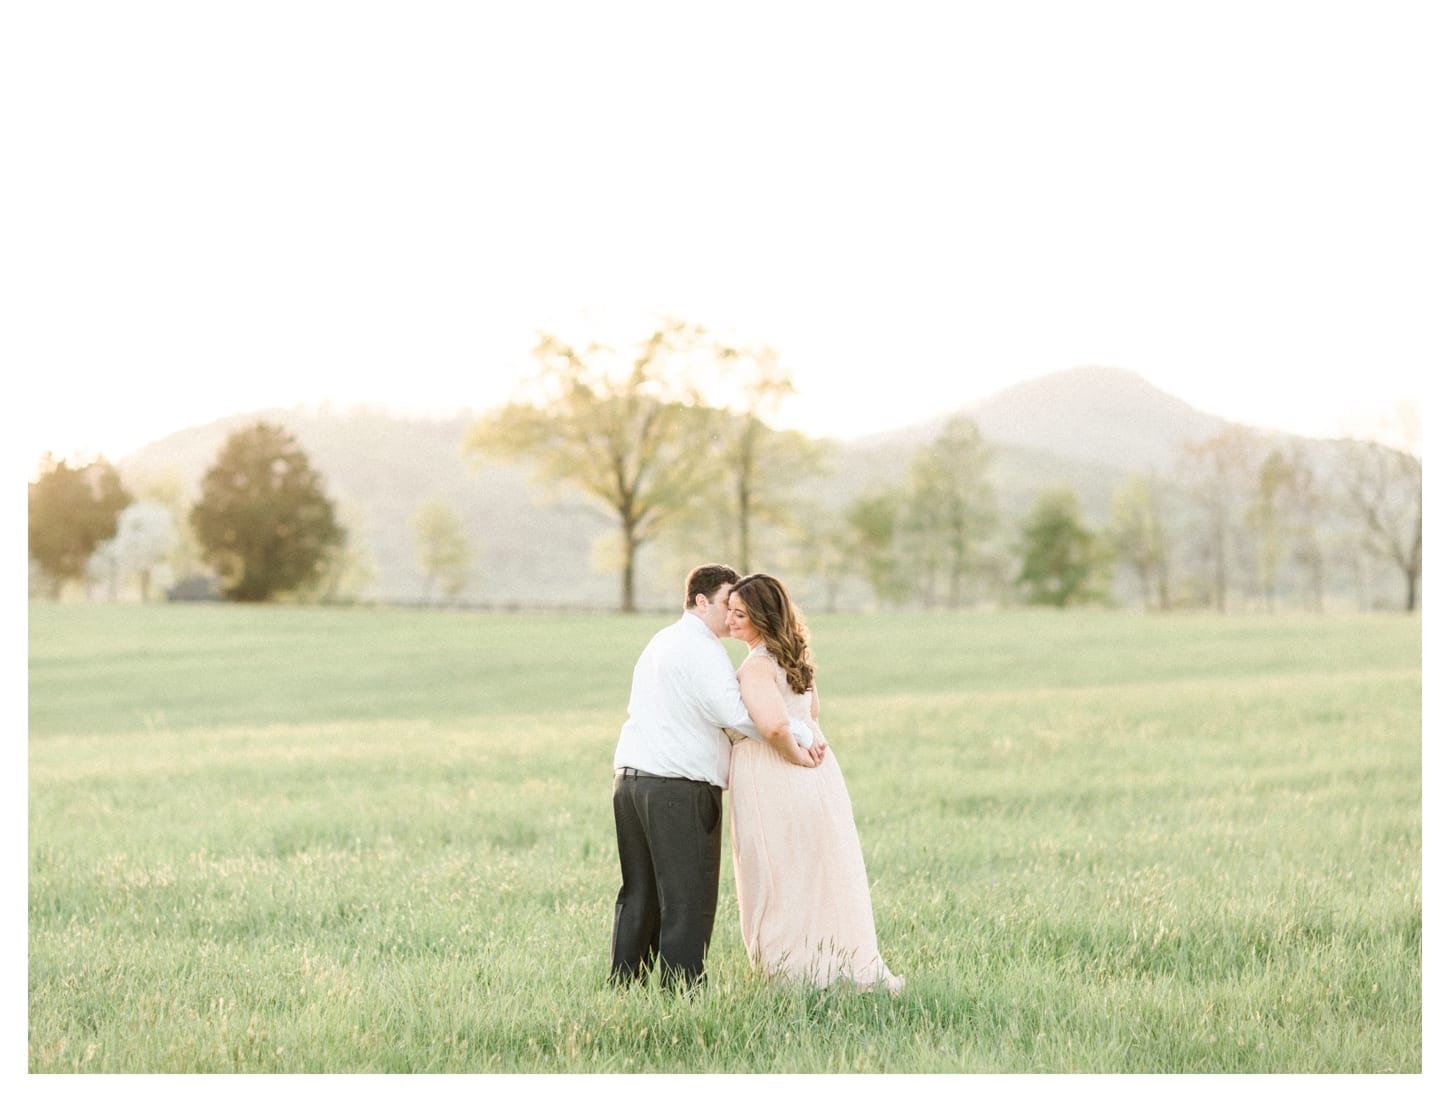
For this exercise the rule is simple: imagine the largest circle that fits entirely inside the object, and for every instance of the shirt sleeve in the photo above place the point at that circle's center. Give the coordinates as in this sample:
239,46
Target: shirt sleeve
719,692
720,699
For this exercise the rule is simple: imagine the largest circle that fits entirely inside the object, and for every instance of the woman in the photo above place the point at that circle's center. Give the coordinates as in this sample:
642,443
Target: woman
805,903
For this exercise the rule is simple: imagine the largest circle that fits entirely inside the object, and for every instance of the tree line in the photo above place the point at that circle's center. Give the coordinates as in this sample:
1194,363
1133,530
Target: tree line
263,528
1241,521
670,439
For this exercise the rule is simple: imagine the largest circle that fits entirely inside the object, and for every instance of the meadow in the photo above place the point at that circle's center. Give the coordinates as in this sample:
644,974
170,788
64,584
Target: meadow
288,839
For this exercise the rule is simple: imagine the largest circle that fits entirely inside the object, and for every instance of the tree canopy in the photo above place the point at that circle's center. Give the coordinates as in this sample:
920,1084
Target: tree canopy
263,521
950,508
145,537
1137,535
445,553
630,431
1062,560
761,468
72,511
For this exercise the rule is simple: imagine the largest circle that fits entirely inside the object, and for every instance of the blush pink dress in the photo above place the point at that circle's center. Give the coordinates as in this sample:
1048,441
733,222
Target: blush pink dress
805,902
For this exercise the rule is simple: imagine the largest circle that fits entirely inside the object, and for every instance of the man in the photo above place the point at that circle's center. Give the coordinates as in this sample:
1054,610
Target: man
670,768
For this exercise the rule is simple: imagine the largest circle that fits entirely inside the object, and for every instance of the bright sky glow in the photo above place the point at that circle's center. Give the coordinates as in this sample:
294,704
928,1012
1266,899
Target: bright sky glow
226,208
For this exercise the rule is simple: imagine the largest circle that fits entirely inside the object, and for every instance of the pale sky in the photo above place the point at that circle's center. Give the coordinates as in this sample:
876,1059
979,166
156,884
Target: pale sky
222,208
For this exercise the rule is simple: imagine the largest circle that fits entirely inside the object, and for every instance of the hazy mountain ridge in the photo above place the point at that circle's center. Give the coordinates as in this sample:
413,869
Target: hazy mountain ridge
1103,415
1087,428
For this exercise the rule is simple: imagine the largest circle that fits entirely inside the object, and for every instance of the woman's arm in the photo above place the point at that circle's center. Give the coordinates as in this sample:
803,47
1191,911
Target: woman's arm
767,710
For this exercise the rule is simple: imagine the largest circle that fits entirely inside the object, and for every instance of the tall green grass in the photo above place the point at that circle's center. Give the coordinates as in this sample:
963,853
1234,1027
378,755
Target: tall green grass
363,840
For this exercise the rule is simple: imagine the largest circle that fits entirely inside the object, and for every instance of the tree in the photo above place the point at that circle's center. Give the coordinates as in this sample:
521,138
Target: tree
752,506
1221,474
1383,489
445,555
1136,535
631,432
1062,560
144,539
761,466
950,508
263,521
819,546
347,570
171,490
1283,514
1287,514
873,520
72,510
1304,507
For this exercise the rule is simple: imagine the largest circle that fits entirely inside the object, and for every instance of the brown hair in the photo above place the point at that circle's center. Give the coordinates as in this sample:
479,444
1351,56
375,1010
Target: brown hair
706,579
784,632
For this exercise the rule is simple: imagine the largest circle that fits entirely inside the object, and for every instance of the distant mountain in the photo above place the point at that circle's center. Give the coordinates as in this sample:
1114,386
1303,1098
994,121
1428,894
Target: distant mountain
1104,415
1086,428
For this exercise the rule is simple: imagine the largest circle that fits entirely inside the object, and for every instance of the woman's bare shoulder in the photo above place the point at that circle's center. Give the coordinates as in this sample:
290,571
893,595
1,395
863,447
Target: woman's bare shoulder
757,665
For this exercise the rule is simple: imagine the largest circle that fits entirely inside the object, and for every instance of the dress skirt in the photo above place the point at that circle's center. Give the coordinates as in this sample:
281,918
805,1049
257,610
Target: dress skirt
805,903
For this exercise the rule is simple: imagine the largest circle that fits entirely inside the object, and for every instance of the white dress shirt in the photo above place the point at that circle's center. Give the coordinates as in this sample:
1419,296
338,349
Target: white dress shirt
683,696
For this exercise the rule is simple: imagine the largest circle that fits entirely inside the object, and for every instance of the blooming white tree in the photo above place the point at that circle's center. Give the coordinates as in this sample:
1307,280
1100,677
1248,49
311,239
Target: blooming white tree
144,539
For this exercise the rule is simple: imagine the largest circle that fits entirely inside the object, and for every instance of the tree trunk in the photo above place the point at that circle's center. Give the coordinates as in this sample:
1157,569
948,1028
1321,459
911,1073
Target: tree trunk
744,564
1165,597
626,597
1220,577
1412,571
742,504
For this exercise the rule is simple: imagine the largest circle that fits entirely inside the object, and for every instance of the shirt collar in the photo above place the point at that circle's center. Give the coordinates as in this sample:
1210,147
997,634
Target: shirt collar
700,625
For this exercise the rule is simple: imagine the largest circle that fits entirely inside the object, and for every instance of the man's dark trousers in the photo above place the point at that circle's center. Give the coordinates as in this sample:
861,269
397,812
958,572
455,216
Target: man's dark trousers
669,858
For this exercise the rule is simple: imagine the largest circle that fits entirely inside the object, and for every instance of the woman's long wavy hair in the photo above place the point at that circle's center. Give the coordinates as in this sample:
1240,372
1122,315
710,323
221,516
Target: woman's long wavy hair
784,633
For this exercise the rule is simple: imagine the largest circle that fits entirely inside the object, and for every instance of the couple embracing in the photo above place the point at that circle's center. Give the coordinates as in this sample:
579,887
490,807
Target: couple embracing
695,728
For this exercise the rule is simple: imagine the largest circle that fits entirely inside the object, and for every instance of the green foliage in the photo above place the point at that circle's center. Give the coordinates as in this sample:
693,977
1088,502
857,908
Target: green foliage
636,438
1063,561
762,469
72,510
1137,536
347,571
873,520
323,840
263,521
445,554
1281,481
168,489
535,552
1293,505
926,537
950,510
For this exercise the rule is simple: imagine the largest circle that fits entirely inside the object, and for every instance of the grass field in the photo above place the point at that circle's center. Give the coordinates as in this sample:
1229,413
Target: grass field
365,840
